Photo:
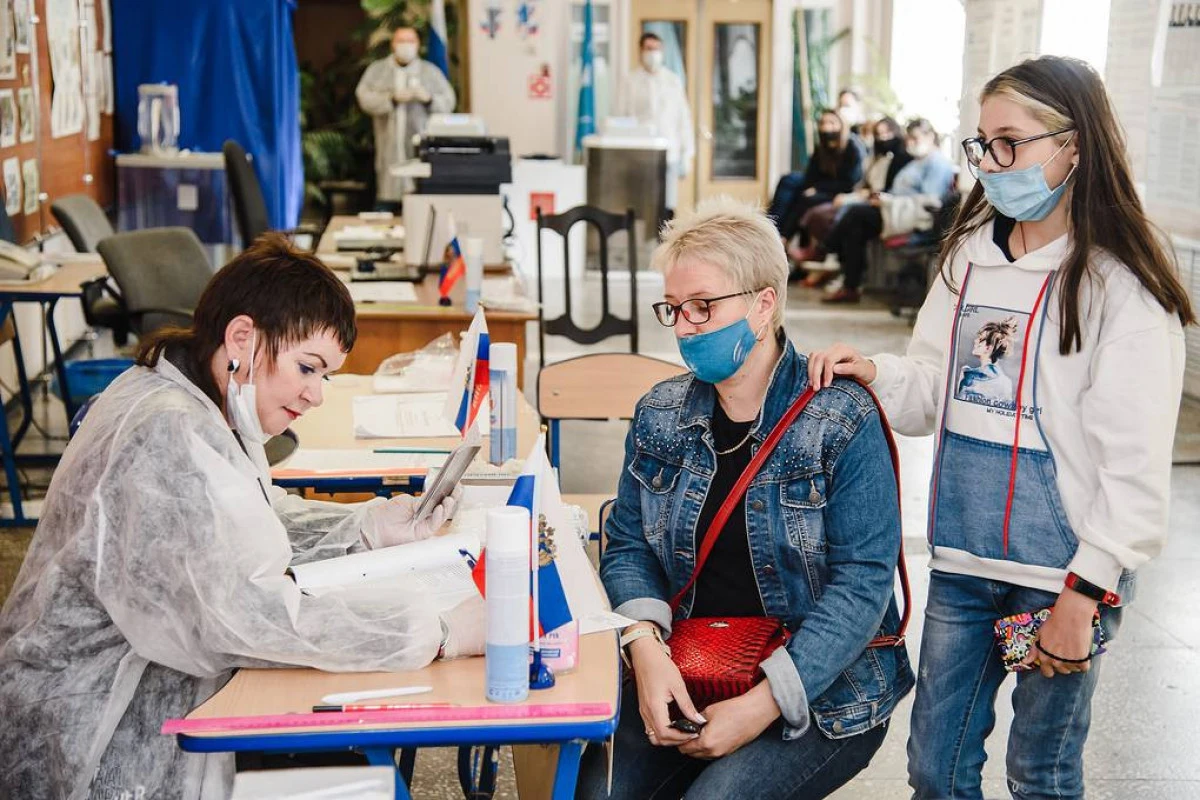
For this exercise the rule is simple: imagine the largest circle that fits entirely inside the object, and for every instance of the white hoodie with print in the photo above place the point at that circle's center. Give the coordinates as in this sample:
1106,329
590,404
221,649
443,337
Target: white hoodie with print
1107,411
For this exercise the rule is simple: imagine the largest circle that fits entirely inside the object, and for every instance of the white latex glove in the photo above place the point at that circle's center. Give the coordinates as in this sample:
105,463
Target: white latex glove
466,625
404,95
391,522
421,94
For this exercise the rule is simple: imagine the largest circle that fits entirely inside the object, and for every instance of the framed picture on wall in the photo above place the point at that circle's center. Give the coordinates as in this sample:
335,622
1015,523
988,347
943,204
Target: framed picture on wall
29,173
8,118
21,24
12,186
27,113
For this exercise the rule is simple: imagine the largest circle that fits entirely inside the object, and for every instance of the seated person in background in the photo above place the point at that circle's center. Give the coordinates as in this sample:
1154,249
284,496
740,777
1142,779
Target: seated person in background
920,185
813,543
887,159
834,167
159,564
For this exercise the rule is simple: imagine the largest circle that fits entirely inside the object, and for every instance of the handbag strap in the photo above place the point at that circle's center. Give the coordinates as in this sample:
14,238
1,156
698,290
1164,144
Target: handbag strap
739,490
717,526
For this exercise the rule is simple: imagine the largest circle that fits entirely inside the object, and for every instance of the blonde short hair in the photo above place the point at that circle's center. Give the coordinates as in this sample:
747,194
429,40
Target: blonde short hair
736,238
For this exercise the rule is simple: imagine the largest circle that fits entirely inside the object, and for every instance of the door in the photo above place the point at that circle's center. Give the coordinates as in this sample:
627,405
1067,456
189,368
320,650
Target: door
721,50
732,146
676,23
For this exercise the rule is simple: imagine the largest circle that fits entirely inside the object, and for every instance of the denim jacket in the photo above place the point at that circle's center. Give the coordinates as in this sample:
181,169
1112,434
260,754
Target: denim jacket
824,528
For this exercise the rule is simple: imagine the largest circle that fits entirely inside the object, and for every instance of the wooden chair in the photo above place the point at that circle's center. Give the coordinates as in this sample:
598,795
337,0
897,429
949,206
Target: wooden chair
601,386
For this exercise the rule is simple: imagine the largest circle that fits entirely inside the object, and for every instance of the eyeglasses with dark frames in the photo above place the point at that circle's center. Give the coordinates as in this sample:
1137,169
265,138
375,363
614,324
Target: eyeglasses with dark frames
696,310
1002,148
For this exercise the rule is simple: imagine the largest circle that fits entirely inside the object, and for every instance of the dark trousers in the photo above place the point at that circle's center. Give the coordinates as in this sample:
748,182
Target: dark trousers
789,204
806,768
858,226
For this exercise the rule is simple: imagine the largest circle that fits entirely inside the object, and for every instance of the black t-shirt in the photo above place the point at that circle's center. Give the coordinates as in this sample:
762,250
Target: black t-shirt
726,586
1002,228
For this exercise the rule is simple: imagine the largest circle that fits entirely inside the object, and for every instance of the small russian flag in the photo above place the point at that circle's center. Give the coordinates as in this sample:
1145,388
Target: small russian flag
535,489
471,380
454,266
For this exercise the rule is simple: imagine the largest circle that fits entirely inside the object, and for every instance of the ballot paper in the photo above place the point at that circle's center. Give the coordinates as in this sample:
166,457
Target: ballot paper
382,292
400,416
311,461
438,569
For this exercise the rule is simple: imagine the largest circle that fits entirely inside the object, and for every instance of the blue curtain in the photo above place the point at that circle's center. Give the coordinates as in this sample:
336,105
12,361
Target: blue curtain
235,64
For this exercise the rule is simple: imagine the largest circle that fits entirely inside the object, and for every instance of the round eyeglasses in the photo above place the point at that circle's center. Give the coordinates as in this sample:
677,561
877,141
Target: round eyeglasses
696,310
1003,149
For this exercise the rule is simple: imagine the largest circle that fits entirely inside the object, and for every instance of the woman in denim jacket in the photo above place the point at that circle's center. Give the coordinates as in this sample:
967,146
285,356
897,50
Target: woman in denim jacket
814,541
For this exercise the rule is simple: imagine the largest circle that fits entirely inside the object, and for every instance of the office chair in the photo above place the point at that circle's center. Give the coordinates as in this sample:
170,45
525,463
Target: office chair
86,225
7,232
249,206
161,273
606,225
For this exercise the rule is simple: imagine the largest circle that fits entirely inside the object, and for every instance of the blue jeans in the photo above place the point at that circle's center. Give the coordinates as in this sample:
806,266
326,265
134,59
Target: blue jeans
806,768
960,672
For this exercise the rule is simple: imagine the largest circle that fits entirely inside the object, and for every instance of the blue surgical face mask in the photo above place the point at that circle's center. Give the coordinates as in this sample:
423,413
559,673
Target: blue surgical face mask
715,356
1022,194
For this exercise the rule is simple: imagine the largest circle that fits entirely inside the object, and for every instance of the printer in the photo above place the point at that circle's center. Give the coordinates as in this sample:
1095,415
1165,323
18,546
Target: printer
461,158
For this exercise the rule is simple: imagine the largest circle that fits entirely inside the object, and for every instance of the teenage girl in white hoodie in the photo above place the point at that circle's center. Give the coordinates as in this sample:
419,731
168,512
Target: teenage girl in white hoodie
1049,494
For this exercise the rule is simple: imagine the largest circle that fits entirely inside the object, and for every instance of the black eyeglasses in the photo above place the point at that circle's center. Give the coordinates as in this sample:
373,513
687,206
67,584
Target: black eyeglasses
697,310
1002,148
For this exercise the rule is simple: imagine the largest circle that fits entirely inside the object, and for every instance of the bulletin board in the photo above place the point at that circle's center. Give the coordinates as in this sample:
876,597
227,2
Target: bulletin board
67,147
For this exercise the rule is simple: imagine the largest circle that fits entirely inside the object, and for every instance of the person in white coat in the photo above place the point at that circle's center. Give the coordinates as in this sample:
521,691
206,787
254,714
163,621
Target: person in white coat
655,96
399,93
160,561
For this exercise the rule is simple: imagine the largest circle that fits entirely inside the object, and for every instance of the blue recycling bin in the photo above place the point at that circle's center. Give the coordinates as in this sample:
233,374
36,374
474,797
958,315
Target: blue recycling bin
87,377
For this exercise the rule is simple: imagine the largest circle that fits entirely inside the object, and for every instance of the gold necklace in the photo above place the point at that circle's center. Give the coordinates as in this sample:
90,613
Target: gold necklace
737,446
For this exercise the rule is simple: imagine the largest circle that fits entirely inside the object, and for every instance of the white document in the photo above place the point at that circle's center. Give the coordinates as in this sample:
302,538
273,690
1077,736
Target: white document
419,564
603,621
401,416
357,461
382,292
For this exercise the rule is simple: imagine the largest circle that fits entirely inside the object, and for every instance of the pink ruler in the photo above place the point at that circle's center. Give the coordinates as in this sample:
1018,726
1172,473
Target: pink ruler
407,715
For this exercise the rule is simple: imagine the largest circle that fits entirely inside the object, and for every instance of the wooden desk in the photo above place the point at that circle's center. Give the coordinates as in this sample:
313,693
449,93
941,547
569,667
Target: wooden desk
385,329
330,426
262,692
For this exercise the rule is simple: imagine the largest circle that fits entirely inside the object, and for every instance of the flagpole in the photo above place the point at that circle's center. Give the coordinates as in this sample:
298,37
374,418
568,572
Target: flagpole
540,676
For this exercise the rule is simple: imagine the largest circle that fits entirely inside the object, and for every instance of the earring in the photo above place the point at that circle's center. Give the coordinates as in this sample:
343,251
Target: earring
233,366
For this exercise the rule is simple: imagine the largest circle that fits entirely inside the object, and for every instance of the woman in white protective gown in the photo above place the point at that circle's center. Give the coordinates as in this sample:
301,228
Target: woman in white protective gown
159,564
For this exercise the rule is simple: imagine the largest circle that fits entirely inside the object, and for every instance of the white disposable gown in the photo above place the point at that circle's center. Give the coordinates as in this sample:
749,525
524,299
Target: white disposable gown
395,124
658,98
158,566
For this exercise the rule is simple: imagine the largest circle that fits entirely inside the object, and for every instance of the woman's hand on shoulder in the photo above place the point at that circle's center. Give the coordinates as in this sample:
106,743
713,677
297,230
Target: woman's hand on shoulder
838,360
733,723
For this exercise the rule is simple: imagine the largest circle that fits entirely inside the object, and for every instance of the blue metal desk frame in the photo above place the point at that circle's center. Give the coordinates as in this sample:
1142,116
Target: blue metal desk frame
376,484
379,745
9,296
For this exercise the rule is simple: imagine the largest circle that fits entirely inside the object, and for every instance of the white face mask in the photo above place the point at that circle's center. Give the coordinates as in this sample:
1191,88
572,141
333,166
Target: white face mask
241,408
404,52
652,60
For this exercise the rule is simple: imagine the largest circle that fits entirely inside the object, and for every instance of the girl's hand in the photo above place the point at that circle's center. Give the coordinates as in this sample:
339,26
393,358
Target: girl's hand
734,723
840,359
1066,634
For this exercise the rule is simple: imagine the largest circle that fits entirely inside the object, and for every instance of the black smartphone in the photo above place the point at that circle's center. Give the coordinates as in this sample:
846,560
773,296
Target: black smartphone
685,725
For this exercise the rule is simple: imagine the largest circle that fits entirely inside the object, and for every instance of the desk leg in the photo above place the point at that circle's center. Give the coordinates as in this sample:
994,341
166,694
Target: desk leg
567,772
386,757
60,366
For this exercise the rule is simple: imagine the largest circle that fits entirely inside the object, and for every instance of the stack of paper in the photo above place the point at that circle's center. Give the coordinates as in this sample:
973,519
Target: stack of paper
305,462
400,416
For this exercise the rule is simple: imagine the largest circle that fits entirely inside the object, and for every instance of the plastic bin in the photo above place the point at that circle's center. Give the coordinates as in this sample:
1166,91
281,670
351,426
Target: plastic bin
87,377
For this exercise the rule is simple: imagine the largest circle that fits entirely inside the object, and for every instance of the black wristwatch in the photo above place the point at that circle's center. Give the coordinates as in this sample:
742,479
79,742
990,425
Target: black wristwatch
1091,590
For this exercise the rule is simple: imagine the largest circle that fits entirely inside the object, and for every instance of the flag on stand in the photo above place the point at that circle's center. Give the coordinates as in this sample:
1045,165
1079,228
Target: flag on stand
454,266
537,490
471,379
585,122
436,51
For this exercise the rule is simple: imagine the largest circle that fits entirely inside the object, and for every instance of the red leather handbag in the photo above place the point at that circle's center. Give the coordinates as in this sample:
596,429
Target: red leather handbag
720,657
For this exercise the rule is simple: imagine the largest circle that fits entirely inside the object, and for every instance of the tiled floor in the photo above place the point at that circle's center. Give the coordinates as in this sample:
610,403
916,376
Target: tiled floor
1147,713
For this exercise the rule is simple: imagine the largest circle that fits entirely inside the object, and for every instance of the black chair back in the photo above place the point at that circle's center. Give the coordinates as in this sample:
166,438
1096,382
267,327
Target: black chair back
82,220
7,232
606,224
249,207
